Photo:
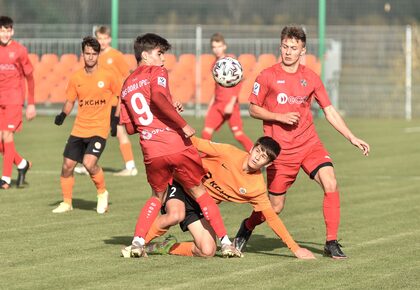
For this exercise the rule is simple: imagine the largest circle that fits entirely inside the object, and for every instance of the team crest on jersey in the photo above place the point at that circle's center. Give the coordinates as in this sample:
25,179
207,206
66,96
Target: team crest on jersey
97,145
256,89
146,135
162,82
303,82
11,54
101,84
109,61
242,190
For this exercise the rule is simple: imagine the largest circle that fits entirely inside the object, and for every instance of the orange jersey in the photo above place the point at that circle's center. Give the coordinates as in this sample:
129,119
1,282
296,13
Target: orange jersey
226,180
94,93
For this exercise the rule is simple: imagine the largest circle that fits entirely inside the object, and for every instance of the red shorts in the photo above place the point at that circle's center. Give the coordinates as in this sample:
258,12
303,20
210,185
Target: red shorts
185,166
283,172
10,118
216,117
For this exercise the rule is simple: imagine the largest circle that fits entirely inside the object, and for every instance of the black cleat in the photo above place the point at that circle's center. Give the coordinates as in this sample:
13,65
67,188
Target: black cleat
332,249
22,174
242,237
4,184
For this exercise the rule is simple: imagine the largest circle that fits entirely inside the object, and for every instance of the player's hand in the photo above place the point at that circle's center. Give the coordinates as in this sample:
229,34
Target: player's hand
59,119
30,112
178,107
114,122
304,254
362,145
188,131
291,118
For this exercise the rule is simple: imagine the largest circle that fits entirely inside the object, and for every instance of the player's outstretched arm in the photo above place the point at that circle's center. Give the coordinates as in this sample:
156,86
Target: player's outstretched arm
276,224
257,112
338,123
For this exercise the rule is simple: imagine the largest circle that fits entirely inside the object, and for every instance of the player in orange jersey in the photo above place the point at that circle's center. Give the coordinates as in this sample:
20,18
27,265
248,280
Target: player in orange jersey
114,61
94,88
15,69
224,106
233,176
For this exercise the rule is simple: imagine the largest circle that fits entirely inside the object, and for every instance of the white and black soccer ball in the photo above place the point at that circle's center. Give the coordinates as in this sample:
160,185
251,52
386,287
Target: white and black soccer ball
227,72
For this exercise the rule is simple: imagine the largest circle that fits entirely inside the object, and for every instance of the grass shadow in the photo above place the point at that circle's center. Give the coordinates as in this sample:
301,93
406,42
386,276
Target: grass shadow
119,240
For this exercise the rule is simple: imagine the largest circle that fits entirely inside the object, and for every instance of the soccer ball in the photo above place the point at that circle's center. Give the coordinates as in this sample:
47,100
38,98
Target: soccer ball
227,72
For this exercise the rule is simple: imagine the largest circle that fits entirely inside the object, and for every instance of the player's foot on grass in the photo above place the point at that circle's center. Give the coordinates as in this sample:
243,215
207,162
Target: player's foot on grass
229,251
102,205
62,208
127,172
161,248
242,237
137,251
80,169
4,184
333,249
22,174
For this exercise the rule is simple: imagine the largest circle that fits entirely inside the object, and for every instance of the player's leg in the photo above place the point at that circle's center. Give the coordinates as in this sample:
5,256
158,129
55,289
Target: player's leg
94,148
236,126
214,119
126,152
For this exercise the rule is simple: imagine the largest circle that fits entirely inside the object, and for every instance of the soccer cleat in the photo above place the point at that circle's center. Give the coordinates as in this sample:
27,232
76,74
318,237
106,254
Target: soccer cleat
161,248
138,251
332,249
126,252
127,172
80,169
62,208
22,174
102,205
229,251
4,184
242,237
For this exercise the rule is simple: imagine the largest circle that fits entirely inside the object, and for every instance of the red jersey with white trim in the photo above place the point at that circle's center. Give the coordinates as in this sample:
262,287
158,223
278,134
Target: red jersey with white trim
159,135
223,95
14,66
281,92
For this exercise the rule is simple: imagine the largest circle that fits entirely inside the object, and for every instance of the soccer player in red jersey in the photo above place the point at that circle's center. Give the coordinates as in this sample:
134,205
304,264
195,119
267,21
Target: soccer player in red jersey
15,68
147,109
224,106
281,98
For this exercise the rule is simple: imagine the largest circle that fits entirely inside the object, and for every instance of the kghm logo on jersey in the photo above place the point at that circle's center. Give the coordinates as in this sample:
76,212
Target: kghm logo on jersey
303,82
101,84
256,89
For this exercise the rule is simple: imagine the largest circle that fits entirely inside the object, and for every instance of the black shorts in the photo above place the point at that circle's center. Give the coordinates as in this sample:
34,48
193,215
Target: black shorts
192,209
77,147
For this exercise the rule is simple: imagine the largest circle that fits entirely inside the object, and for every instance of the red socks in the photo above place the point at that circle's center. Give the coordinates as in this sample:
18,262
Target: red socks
9,156
211,213
331,208
245,141
254,220
147,216
206,135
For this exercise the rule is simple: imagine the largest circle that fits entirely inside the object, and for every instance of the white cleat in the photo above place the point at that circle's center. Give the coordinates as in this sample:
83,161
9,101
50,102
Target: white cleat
102,205
62,208
126,172
80,169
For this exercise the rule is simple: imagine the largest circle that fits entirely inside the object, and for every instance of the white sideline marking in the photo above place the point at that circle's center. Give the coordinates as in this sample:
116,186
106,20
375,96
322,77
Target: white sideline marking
412,130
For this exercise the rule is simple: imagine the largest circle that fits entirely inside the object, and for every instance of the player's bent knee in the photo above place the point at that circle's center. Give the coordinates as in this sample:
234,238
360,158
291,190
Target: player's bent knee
330,185
176,217
208,251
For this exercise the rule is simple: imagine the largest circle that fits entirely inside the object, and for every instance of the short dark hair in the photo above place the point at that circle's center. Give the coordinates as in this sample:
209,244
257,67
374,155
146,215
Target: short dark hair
6,21
148,42
294,32
103,30
217,37
92,42
270,146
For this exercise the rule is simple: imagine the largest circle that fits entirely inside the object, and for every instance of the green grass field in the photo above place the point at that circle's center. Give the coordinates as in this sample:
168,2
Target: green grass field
380,202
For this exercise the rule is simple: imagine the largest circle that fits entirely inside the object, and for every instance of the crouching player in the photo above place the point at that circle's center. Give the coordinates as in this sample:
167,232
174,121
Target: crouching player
233,176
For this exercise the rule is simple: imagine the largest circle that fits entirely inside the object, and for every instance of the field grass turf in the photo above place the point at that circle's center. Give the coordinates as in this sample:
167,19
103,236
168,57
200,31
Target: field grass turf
380,202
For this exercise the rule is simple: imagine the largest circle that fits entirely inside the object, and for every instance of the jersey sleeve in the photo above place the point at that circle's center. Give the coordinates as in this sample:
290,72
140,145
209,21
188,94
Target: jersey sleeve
25,62
71,92
159,81
124,117
259,90
261,202
320,92
210,148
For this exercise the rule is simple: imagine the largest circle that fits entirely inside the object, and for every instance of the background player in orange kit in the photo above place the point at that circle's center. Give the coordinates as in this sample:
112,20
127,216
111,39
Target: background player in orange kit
281,98
15,68
224,106
147,108
233,176
114,60
94,88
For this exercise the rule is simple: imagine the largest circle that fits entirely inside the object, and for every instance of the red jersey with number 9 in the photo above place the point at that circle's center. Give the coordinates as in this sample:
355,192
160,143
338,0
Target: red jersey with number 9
157,134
